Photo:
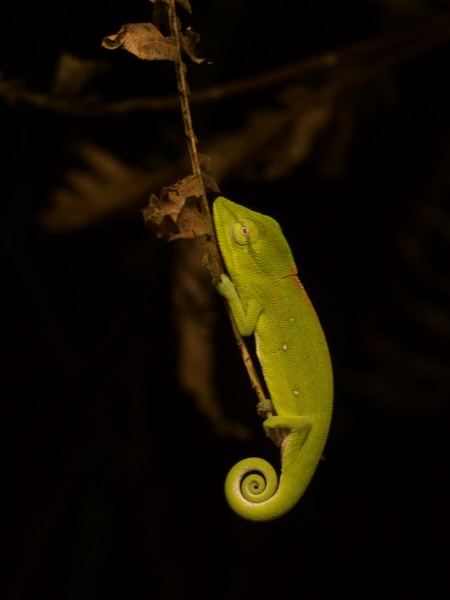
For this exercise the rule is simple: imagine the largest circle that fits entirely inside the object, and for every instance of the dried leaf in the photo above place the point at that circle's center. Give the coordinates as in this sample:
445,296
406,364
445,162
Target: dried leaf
143,40
177,213
188,42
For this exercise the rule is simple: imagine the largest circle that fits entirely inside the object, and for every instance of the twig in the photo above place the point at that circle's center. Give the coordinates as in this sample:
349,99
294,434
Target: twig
184,96
196,169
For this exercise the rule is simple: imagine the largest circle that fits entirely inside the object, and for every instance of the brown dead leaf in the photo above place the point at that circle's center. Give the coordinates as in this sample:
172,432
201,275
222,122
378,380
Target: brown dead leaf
143,40
178,213
188,42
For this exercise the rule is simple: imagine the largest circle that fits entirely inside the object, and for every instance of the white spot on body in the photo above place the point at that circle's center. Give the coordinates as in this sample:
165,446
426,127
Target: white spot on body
284,347
296,392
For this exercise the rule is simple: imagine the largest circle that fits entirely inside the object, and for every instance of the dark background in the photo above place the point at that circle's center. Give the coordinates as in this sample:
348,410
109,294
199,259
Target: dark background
113,480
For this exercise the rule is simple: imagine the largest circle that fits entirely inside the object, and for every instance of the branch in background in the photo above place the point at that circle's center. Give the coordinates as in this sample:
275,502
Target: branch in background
365,60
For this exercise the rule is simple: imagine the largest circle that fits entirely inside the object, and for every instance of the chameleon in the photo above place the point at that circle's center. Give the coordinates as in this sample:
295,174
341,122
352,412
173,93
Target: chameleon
267,299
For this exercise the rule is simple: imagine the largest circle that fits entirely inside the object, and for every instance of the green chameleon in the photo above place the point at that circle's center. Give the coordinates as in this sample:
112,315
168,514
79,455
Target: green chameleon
266,298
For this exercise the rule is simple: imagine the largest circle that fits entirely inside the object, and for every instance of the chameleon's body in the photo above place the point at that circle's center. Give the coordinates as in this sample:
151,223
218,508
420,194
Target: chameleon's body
266,298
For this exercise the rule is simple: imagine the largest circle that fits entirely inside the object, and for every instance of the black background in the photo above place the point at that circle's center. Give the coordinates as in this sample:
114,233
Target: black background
113,481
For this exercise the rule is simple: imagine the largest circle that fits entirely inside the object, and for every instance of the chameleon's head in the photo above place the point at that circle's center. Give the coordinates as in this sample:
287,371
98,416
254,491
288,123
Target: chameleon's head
251,242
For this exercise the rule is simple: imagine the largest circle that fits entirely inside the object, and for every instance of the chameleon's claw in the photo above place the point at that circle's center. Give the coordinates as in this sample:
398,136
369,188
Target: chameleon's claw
265,406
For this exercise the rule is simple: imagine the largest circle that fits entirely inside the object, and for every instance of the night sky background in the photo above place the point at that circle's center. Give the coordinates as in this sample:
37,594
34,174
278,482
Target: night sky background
112,477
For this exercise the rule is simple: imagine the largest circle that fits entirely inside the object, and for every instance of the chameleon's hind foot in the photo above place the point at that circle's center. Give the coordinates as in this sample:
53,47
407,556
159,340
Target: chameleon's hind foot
265,406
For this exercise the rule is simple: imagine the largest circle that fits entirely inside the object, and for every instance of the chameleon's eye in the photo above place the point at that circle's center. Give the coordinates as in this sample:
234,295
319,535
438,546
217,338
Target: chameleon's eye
245,232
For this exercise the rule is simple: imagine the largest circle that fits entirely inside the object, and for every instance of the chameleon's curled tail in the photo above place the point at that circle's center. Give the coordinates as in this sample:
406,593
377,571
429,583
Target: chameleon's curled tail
249,484
252,488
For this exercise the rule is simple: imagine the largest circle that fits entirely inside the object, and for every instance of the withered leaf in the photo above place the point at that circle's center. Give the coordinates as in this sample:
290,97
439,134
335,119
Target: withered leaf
178,213
143,40
188,42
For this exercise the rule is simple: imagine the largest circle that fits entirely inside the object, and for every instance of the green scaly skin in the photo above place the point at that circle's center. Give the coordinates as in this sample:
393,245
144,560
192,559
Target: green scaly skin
267,299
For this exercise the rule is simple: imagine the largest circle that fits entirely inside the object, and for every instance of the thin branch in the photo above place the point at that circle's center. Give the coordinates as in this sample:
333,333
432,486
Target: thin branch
183,91
196,169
